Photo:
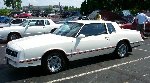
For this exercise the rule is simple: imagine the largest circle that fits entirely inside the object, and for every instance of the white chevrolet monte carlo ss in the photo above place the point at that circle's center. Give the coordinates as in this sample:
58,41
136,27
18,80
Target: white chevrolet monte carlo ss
72,41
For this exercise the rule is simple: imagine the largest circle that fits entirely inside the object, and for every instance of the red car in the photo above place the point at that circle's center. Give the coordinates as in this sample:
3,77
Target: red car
24,15
133,26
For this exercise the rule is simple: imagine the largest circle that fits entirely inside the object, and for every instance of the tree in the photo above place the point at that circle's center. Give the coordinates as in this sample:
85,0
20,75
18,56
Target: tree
114,5
15,4
88,6
4,12
49,9
66,8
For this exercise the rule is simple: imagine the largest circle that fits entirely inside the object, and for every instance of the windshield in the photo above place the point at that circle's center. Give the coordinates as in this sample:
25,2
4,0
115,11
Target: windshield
28,22
69,29
16,21
24,23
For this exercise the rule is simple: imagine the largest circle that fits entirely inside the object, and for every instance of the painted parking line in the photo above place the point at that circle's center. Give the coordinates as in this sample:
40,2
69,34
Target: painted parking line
2,46
145,75
142,50
99,70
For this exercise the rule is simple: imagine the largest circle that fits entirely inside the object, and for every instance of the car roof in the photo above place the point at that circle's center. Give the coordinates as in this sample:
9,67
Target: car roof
38,18
91,21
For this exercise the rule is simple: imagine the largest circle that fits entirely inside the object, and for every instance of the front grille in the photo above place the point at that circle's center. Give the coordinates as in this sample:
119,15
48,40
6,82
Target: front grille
12,53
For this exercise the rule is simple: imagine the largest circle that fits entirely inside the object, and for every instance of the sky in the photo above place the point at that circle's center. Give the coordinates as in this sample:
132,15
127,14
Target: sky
75,3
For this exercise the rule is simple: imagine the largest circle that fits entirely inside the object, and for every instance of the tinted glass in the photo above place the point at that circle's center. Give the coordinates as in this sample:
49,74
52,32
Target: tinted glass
47,22
39,23
110,28
69,29
93,29
17,21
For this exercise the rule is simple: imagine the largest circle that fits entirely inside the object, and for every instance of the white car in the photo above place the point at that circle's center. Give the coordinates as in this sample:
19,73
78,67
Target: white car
13,22
29,27
72,41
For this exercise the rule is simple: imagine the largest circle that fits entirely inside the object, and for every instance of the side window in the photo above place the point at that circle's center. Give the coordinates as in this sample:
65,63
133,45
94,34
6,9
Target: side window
93,29
110,28
47,22
102,28
39,23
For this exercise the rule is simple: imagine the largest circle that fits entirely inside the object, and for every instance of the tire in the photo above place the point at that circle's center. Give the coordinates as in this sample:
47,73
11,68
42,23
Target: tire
13,36
121,50
53,63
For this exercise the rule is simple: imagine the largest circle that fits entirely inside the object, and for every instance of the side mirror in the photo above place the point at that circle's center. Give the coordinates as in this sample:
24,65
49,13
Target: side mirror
81,36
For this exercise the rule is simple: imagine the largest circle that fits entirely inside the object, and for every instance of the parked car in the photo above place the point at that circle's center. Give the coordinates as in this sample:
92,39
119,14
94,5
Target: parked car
24,15
133,26
72,41
110,16
13,22
14,14
73,18
4,19
28,28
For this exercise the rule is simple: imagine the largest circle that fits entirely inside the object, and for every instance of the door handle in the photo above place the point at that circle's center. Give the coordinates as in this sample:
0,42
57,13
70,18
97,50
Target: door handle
107,38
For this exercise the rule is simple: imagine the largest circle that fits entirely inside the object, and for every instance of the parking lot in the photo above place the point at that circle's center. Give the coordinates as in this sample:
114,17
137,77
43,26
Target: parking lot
102,69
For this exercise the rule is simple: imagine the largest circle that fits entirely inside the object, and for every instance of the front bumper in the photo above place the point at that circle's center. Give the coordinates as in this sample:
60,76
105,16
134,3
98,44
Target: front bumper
22,63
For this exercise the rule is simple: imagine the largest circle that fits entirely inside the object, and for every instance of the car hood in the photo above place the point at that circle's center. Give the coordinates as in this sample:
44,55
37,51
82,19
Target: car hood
4,25
40,40
11,27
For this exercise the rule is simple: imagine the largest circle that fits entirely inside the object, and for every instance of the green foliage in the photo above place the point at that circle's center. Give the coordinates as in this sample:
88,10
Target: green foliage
15,4
66,8
114,5
70,8
49,9
4,12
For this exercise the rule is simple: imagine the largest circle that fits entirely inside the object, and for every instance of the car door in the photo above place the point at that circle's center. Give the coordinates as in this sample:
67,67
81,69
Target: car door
95,42
35,27
113,36
47,28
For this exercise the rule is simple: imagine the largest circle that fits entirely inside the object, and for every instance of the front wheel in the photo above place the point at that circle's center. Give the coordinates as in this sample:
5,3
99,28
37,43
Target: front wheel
53,63
121,50
13,36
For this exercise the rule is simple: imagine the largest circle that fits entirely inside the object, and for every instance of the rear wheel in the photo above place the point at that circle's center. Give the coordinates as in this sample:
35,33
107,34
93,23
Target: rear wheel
13,36
122,49
53,63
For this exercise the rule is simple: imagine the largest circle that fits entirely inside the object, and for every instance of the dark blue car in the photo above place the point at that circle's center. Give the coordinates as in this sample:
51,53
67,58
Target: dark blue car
4,19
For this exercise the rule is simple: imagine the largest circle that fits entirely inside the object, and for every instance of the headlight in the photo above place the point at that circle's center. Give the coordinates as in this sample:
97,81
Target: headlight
12,53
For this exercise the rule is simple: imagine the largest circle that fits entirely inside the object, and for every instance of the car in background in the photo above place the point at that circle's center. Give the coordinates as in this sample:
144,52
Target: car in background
4,19
72,41
133,26
13,22
73,18
29,27
14,14
24,15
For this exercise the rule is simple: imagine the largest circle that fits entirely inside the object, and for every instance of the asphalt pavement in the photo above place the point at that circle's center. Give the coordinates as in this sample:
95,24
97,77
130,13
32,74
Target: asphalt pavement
102,69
